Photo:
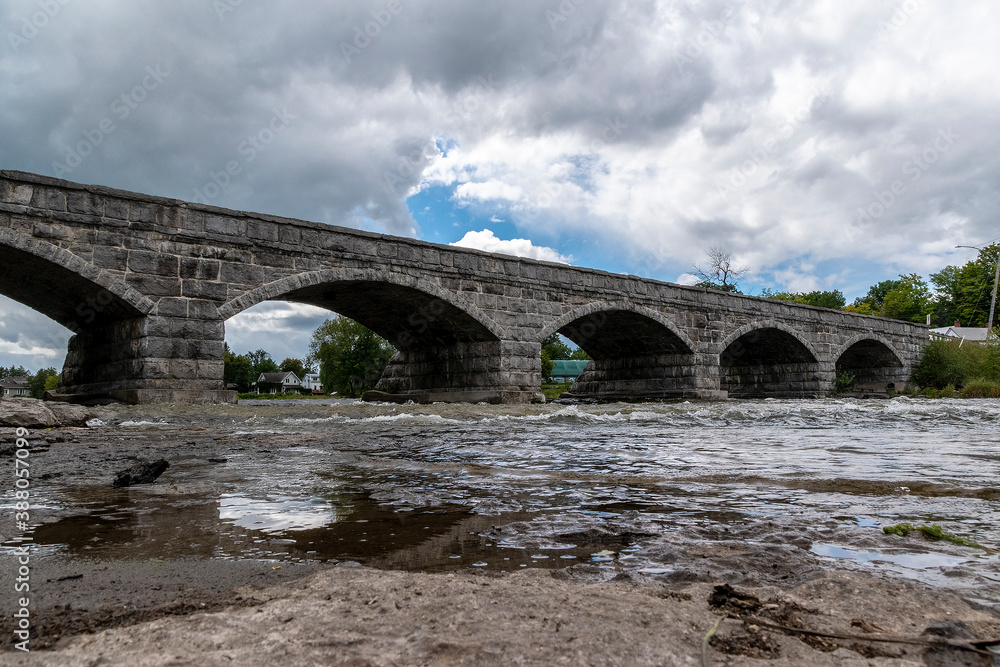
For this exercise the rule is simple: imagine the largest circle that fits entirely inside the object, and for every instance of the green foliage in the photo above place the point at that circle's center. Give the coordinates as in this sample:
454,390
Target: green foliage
556,348
51,383
871,303
295,366
261,362
237,370
39,381
13,371
981,388
830,299
844,381
945,363
580,354
909,299
351,357
963,293
547,366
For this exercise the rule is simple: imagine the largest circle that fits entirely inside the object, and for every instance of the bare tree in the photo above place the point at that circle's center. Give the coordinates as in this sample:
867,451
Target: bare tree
719,272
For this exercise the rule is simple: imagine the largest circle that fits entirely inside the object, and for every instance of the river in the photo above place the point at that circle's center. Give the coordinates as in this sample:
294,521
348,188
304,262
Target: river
757,491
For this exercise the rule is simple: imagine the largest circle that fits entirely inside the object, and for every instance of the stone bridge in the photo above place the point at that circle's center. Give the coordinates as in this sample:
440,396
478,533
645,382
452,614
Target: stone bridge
146,284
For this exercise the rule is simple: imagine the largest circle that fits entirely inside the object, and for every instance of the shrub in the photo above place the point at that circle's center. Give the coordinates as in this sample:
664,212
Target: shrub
947,363
981,388
844,382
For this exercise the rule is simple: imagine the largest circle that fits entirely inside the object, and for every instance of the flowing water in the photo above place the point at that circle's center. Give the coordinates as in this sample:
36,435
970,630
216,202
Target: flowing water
739,490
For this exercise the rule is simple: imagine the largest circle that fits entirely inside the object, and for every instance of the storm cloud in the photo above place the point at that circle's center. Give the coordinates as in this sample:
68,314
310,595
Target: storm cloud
825,144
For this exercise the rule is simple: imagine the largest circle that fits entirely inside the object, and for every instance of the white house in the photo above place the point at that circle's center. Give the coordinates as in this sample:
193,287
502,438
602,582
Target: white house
312,384
279,383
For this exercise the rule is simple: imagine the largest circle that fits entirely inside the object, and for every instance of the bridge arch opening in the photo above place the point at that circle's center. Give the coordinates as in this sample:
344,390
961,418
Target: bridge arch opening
635,356
442,350
769,362
97,309
871,366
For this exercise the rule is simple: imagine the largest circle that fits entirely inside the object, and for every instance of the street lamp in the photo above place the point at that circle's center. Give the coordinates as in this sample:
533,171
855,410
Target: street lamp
996,280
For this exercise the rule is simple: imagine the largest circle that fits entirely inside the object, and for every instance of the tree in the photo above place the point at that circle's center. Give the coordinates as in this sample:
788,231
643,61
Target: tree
351,357
39,382
719,273
831,299
295,366
556,348
238,370
580,353
871,303
547,366
963,293
908,300
261,362
13,371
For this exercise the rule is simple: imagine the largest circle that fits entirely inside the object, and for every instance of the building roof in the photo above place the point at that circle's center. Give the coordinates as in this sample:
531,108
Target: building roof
14,381
568,367
968,333
277,378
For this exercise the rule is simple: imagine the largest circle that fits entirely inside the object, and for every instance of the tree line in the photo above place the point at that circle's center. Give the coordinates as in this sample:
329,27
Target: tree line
954,294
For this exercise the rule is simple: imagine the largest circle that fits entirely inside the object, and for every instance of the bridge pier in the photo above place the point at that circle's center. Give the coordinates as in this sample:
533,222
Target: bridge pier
476,372
655,377
152,359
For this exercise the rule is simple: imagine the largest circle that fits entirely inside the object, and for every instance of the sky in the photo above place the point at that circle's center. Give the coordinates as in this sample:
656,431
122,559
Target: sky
827,144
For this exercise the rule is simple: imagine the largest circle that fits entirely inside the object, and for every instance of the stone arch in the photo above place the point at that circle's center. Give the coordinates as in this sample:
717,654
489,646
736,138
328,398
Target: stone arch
446,348
637,352
64,287
425,304
762,325
872,362
769,358
598,307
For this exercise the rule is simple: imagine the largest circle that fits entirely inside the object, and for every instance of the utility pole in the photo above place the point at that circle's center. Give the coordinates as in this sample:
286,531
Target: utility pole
993,302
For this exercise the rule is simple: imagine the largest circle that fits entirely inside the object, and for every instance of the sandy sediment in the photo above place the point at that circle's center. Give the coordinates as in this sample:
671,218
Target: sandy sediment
361,616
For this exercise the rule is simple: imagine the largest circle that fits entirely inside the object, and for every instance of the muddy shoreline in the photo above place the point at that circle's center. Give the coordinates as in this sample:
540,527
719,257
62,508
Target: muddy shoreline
151,602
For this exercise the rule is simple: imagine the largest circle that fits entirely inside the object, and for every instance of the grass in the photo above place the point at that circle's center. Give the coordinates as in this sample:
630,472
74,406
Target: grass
553,391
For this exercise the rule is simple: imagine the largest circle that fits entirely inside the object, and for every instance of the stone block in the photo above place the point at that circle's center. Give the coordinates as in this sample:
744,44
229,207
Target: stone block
110,258
217,224
54,232
172,307
154,286
203,289
21,194
244,274
202,310
85,203
141,261
142,212
263,231
289,235
199,269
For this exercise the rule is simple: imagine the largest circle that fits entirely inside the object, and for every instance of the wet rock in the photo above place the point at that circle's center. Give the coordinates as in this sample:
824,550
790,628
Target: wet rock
141,474
33,413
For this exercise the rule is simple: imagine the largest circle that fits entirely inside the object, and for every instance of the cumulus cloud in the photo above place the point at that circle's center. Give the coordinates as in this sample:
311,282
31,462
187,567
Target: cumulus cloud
487,241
